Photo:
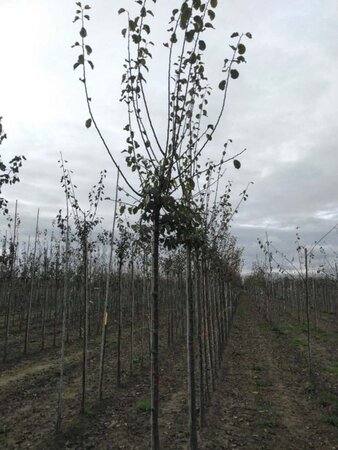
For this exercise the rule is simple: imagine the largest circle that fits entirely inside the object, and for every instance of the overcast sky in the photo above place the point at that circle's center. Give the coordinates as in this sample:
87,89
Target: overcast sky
283,108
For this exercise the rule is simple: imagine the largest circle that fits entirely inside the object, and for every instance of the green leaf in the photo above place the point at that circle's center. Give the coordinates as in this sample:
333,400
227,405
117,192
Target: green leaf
189,35
193,58
213,3
234,35
91,64
121,10
83,32
136,38
202,46
88,123
237,164
88,49
185,16
248,35
222,85
173,38
211,14
234,74
241,49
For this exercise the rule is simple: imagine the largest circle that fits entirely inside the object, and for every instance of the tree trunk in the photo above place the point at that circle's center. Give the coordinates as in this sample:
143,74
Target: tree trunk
154,338
191,354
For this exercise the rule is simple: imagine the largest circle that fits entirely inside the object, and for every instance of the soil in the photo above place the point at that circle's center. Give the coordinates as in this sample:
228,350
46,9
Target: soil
264,397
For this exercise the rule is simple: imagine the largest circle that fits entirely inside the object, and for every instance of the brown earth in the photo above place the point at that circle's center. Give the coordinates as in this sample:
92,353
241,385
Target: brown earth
263,400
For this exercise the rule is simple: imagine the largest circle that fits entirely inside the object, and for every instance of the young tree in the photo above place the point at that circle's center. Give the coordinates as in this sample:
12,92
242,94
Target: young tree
168,167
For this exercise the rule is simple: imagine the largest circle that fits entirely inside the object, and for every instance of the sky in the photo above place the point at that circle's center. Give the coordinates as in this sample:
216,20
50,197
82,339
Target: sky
283,109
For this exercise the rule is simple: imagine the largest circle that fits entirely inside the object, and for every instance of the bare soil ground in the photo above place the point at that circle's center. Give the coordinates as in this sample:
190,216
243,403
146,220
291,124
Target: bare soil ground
264,398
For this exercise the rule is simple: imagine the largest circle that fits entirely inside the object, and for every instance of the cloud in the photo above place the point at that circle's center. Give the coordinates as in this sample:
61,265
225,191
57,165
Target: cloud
281,108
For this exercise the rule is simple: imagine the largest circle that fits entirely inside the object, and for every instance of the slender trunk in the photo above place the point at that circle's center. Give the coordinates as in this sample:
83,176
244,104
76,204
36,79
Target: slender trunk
154,338
308,312
106,298
200,344
29,310
43,328
85,331
11,289
132,317
63,332
119,326
191,354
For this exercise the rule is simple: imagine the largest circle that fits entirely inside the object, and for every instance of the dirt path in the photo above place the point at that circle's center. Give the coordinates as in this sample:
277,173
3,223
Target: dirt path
261,402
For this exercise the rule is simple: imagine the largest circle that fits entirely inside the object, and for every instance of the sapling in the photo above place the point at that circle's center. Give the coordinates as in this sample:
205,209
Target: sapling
154,162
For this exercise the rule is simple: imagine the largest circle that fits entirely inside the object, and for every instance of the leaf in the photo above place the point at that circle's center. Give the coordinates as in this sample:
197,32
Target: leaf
88,123
189,35
83,32
222,85
234,35
173,38
248,35
136,38
88,49
237,164
211,14
202,46
76,65
91,64
213,3
241,49
185,16
234,74
121,11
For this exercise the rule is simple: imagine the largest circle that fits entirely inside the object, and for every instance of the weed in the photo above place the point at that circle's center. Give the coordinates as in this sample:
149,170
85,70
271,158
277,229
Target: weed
331,420
3,428
270,423
332,369
257,367
309,387
143,405
293,328
324,336
298,342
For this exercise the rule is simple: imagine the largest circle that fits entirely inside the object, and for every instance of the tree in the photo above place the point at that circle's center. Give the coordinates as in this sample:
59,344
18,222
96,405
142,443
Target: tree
167,171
